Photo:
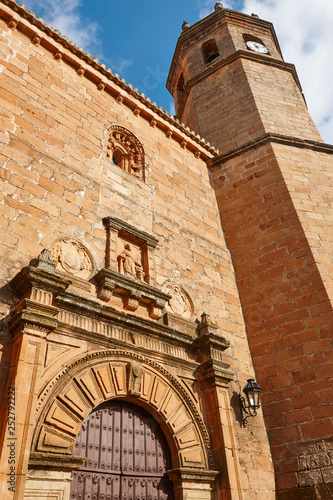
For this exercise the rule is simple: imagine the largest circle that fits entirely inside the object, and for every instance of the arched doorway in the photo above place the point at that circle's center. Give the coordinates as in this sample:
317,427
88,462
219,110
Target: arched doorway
127,456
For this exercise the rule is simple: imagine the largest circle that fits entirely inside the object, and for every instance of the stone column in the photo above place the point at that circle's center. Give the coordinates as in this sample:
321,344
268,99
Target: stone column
31,321
214,380
112,227
193,484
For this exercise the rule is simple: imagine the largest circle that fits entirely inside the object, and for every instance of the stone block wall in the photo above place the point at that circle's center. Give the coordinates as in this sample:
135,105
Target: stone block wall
57,186
285,302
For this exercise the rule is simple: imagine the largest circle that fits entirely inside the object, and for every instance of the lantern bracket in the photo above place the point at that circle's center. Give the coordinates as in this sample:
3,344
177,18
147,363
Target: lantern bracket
250,405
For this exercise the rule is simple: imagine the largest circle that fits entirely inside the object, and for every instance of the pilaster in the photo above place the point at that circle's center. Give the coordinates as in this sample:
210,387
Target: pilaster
30,323
214,378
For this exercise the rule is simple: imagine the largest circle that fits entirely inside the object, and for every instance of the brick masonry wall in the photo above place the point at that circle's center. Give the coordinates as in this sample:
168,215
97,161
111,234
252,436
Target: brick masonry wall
237,107
308,175
286,308
220,116
56,181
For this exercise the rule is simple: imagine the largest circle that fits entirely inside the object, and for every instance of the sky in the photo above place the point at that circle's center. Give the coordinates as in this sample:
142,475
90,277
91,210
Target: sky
137,40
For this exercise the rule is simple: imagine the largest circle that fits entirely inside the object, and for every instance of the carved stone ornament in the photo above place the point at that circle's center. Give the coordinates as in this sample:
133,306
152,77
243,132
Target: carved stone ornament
180,302
135,372
46,261
129,264
126,151
86,383
72,257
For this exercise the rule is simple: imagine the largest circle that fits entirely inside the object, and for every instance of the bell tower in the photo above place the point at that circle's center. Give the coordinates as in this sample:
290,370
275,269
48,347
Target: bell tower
231,85
274,187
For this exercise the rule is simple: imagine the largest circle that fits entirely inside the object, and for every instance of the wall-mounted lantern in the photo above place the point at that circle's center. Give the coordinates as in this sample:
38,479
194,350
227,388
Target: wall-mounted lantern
251,402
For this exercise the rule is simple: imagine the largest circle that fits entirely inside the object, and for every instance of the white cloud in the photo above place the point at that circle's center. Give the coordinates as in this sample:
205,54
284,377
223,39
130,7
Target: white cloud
304,30
206,7
305,33
65,16
172,110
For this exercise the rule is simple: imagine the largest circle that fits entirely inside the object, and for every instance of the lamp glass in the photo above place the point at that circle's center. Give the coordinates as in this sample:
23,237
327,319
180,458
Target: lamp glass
252,392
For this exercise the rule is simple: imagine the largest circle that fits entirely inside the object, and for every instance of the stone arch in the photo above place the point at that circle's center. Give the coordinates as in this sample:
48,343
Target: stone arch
180,88
209,51
126,151
106,375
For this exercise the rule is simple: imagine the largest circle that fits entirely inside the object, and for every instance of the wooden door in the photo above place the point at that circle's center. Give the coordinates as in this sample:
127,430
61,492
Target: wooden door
127,456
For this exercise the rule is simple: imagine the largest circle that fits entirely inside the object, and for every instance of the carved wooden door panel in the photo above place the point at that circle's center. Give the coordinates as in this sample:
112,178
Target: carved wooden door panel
127,456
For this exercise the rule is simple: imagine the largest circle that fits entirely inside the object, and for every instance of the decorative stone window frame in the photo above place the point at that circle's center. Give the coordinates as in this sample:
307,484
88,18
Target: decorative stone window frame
126,151
134,290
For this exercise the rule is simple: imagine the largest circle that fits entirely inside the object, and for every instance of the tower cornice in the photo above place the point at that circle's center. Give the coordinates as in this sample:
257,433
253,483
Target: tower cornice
273,138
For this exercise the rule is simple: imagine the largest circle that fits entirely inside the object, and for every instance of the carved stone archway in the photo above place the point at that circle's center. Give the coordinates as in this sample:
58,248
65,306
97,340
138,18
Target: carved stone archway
115,374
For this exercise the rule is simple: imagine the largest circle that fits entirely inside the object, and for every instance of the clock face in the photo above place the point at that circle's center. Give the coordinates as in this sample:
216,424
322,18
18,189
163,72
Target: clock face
257,47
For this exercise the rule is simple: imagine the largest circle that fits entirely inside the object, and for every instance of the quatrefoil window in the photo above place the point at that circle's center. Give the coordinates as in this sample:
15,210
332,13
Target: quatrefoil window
126,151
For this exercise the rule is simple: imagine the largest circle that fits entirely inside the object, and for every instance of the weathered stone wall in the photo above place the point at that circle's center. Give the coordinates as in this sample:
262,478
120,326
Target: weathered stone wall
58,184
286,307
273,186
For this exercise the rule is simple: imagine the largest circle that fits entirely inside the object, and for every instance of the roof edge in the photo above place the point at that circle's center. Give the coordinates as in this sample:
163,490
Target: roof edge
62,48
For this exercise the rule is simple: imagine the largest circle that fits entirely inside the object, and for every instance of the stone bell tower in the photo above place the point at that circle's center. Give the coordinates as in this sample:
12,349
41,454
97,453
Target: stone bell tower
273,183
231,85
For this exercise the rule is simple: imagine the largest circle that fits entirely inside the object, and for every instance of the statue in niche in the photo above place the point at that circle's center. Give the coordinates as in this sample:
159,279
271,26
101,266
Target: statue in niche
129,266
135,373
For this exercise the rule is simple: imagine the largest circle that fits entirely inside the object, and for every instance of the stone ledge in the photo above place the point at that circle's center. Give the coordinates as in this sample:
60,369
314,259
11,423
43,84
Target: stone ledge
32,277
40,460
74,303
274,138
195,475
214,371
118,225
134,291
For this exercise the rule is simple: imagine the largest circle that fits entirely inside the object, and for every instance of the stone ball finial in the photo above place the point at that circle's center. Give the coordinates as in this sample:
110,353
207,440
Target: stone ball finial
185,25
218,6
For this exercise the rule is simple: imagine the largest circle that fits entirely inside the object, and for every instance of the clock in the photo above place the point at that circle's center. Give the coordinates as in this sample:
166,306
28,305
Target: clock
257,47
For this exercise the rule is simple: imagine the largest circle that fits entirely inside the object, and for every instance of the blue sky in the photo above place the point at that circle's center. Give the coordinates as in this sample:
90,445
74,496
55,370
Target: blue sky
137,40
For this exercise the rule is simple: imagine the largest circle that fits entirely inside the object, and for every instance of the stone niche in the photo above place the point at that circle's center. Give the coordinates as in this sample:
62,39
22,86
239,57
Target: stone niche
128,279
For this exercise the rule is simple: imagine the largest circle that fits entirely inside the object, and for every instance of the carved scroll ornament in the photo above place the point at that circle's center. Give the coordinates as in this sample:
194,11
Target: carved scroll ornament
180,302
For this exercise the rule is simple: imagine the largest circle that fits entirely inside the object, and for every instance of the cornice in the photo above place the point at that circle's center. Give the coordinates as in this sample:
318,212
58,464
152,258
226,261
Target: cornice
121,319
18,17
240,54
119,224
273,138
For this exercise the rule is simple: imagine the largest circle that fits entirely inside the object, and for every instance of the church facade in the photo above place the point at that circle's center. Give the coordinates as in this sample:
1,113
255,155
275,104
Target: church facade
147,274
